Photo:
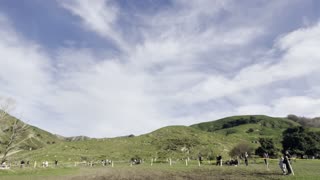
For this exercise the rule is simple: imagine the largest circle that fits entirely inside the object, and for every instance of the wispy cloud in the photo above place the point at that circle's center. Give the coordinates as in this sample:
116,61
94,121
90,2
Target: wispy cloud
188,62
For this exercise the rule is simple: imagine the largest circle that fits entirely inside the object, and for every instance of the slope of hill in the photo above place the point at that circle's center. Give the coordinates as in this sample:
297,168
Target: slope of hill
172,141
177,142
32,138
250,127
234,121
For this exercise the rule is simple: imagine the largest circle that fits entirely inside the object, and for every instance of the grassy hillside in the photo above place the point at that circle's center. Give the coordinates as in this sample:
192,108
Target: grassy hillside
31,139
250,127
169,142
176,142
235,121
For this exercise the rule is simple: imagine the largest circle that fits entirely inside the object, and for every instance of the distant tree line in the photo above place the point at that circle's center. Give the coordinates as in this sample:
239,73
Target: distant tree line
239,122
305,121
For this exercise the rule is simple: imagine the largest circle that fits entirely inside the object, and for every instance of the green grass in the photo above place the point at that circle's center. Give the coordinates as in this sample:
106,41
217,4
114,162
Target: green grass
304,169
38,173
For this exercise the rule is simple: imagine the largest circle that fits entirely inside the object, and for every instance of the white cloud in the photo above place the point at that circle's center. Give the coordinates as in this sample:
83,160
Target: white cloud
171,76
299,105
300,58
25,68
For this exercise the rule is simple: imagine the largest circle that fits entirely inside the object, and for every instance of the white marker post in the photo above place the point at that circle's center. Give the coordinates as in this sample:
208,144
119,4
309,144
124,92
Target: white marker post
170,162
186,162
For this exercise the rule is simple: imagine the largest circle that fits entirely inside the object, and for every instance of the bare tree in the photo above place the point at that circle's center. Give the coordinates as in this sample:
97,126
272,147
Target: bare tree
15,128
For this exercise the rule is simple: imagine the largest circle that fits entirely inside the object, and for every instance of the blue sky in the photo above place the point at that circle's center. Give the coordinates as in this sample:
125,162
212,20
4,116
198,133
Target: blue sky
107,68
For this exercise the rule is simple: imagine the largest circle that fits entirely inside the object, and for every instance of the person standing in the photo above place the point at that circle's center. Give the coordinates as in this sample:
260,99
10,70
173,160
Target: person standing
219,160
200,158
22,164
246,158
282,165
265,158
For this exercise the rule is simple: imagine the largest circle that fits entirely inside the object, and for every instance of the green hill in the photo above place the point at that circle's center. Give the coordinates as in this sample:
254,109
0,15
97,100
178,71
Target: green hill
31,139
176,142
249,127
234,121
173,141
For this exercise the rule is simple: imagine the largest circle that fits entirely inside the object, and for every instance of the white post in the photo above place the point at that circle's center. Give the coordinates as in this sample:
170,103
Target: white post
35,164
170,161
199,163
112,164
186,162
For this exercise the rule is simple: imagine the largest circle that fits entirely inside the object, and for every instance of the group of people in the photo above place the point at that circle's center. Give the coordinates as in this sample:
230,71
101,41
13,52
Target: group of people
45,164
105,162
284,161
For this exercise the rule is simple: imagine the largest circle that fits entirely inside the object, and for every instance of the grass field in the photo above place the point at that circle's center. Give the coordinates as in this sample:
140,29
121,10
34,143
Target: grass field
304,169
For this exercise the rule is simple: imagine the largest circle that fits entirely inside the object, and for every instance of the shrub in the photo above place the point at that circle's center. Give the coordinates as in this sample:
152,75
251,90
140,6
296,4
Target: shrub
240,149
250,130
231,131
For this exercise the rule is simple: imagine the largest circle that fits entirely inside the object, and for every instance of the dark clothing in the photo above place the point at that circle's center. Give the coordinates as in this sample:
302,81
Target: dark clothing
246,161
219,161
200,158
287,162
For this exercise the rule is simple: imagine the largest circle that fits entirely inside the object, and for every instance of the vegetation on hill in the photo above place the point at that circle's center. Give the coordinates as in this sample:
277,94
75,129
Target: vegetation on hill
234,121
304,121
301,141
177,142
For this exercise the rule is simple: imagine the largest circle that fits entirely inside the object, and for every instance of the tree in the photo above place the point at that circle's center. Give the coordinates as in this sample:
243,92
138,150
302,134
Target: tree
305,121
240,149
301,141
267,146
12,127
